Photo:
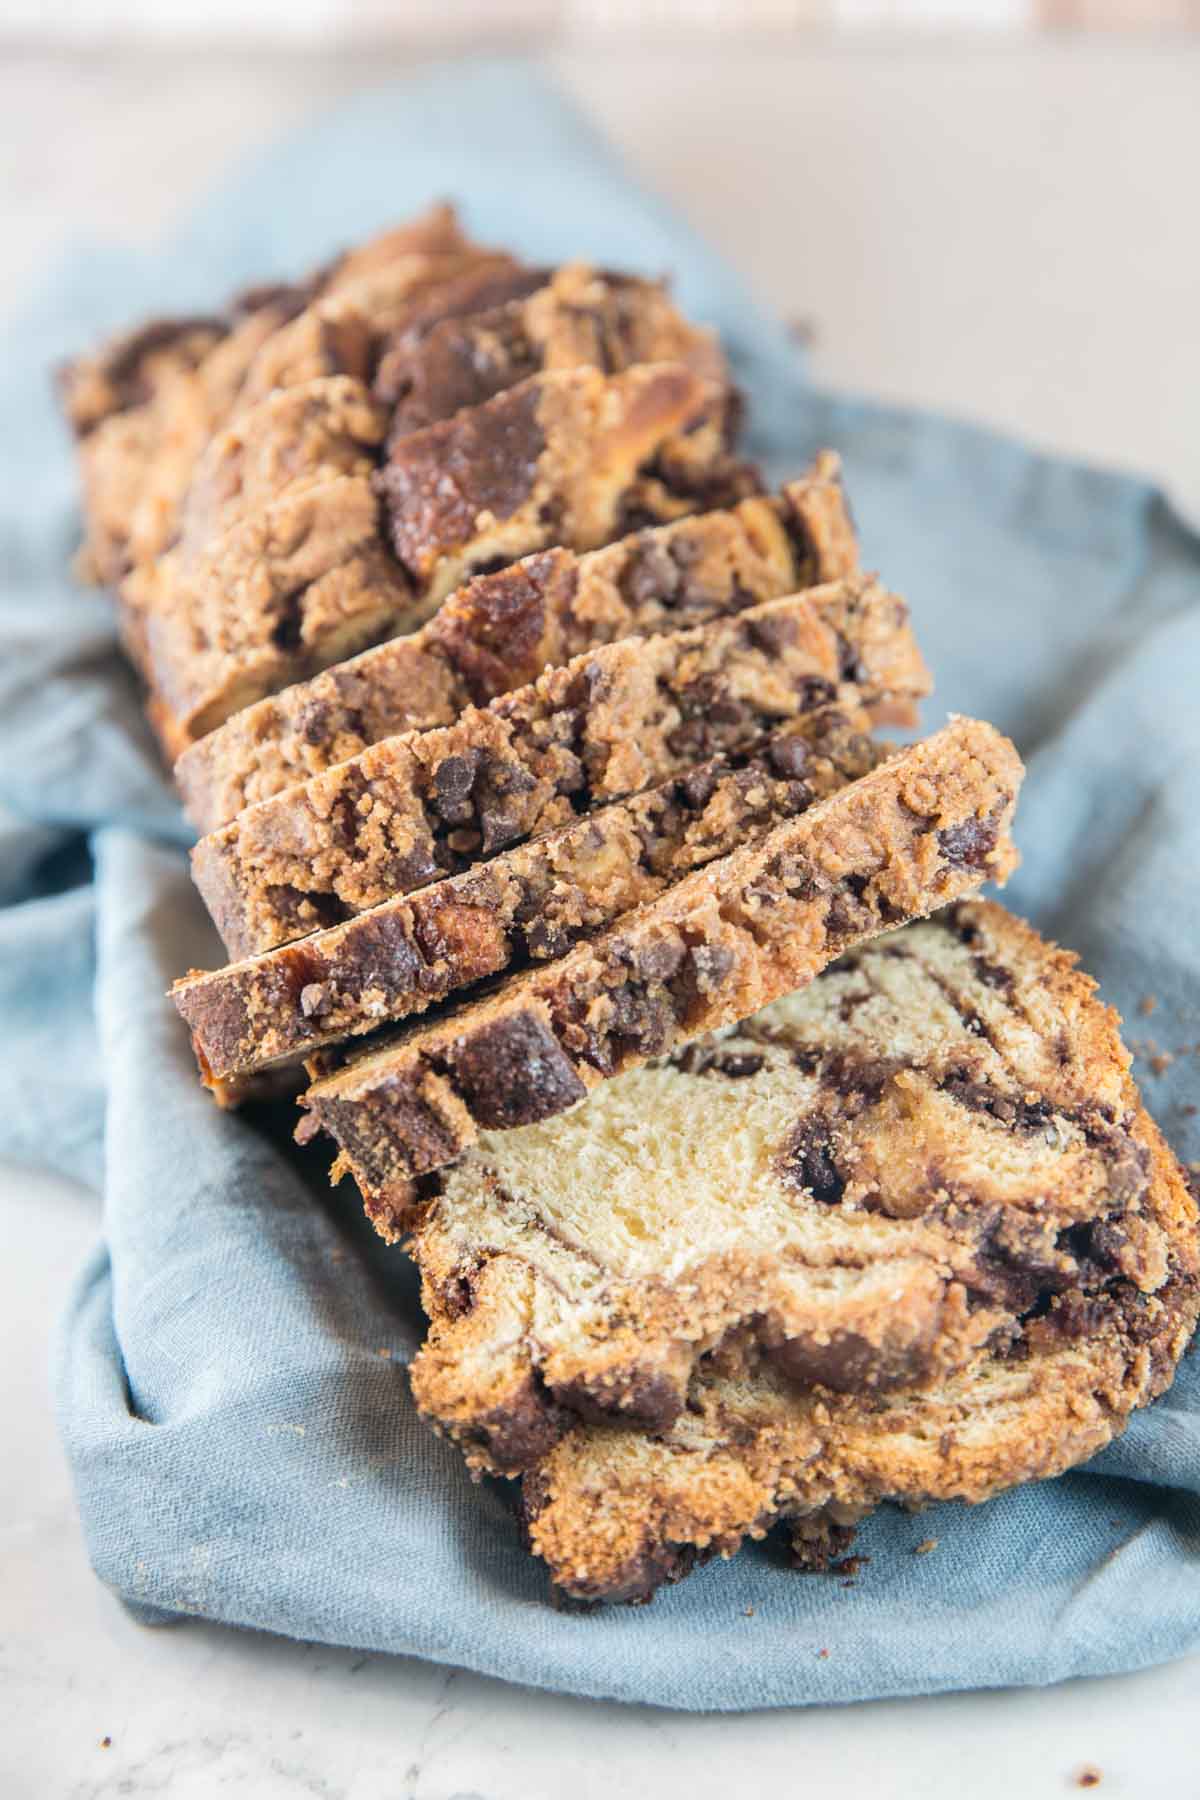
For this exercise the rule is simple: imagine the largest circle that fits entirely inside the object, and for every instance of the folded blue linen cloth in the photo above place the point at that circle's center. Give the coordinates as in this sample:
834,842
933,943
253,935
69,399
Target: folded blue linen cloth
231,1382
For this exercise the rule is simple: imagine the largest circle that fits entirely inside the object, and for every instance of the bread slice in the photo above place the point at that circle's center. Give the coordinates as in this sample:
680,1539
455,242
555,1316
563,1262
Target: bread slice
871,1181
311,577
298,437
906,1235
500,631
144,405
620,717
924,829
123,372
301,432
530,903
567,456
580,317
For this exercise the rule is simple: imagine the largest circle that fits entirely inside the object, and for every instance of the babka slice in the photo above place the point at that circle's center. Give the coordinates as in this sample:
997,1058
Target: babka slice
528,904
872,1180
620,717
321,571
144,405
302,431
580,317
500,631
906,1235
567,456
926,828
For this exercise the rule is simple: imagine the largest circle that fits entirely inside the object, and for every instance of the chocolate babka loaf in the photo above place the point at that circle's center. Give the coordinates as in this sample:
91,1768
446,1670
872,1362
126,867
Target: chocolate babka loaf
499,631
606,724
528,904
906,1235
927,827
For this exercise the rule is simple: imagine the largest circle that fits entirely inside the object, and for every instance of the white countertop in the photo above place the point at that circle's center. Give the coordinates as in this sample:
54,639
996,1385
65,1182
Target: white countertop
999,231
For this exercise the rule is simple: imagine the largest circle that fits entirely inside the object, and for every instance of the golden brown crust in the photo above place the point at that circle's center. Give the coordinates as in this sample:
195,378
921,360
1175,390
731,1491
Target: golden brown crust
578,317
499,632
146,404
926,828
615,1511
606,724
315,573
296,437
530,903
198,431
300,580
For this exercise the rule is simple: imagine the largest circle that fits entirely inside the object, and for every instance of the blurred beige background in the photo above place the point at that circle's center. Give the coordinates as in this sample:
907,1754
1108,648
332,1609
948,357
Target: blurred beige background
999,224
403,20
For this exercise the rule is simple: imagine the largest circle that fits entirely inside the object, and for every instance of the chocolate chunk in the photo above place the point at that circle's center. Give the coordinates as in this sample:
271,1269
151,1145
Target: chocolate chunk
457,1296
456,364
774,634
699,785
658,960
1067,1319
513,1073
651,573
636,1397
808,1162
695,1058
430,1141
437,482
546,939
968,846
454,777
521,1433
314,722
737,1066
1096,1247
640,1020
788,756
993,975
497,784
492,631
848,1362
660,1566
379,954
1128,1161
453,780
1016,1110
848,915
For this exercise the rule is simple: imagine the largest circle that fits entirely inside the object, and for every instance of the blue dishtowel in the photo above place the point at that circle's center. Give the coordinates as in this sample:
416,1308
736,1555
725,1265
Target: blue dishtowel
231,1378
